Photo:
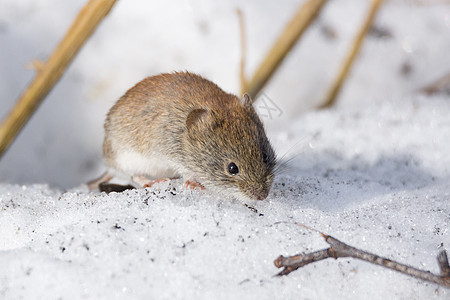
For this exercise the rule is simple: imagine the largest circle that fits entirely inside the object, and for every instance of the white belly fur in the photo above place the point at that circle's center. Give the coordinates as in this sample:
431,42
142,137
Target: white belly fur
153,166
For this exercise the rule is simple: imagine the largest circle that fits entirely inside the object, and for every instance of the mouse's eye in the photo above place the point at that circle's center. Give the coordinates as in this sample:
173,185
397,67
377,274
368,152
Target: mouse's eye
265,158
232,168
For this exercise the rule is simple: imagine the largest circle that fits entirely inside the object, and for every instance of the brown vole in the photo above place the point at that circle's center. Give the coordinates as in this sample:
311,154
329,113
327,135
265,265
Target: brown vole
181,124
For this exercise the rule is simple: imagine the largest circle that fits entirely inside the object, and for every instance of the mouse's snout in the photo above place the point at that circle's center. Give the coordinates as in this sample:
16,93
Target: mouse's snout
259,194
258,188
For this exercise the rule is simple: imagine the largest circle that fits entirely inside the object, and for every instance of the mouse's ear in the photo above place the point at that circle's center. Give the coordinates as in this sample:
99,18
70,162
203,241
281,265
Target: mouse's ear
195,116
247,100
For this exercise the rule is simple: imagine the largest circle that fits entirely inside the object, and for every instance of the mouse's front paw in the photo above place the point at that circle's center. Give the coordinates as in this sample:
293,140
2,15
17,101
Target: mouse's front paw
193,184
144,182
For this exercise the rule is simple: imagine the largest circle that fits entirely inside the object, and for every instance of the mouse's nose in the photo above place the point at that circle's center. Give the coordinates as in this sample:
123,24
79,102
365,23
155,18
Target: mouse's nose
260,194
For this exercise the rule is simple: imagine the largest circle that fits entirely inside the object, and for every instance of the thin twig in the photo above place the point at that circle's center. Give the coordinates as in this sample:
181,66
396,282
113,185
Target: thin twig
339,249
50,72
292,263
112,187
345,68
443,263
293,31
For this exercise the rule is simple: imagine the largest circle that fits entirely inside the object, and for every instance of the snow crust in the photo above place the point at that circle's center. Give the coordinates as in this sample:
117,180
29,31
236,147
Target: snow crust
372,171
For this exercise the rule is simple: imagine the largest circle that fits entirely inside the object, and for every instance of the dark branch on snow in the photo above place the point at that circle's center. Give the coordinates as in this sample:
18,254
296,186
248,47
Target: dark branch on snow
339,249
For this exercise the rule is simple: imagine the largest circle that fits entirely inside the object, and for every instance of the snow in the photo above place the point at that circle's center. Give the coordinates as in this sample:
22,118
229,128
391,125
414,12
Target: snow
372,171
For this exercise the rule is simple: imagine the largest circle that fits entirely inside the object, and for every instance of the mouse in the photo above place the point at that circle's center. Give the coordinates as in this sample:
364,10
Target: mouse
181,125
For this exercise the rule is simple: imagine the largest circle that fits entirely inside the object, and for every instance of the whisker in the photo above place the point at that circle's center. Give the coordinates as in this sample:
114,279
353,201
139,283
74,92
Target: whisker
295,144
282,165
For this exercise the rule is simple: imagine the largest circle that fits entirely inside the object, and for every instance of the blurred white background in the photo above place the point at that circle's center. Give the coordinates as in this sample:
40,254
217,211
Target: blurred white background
61,145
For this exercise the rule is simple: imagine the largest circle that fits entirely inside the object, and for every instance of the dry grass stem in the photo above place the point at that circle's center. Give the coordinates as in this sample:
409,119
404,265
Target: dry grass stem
243,41
437,86
293,31
345,68
50,72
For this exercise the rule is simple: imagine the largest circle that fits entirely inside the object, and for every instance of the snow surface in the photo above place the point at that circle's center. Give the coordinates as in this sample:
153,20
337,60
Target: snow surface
372,171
